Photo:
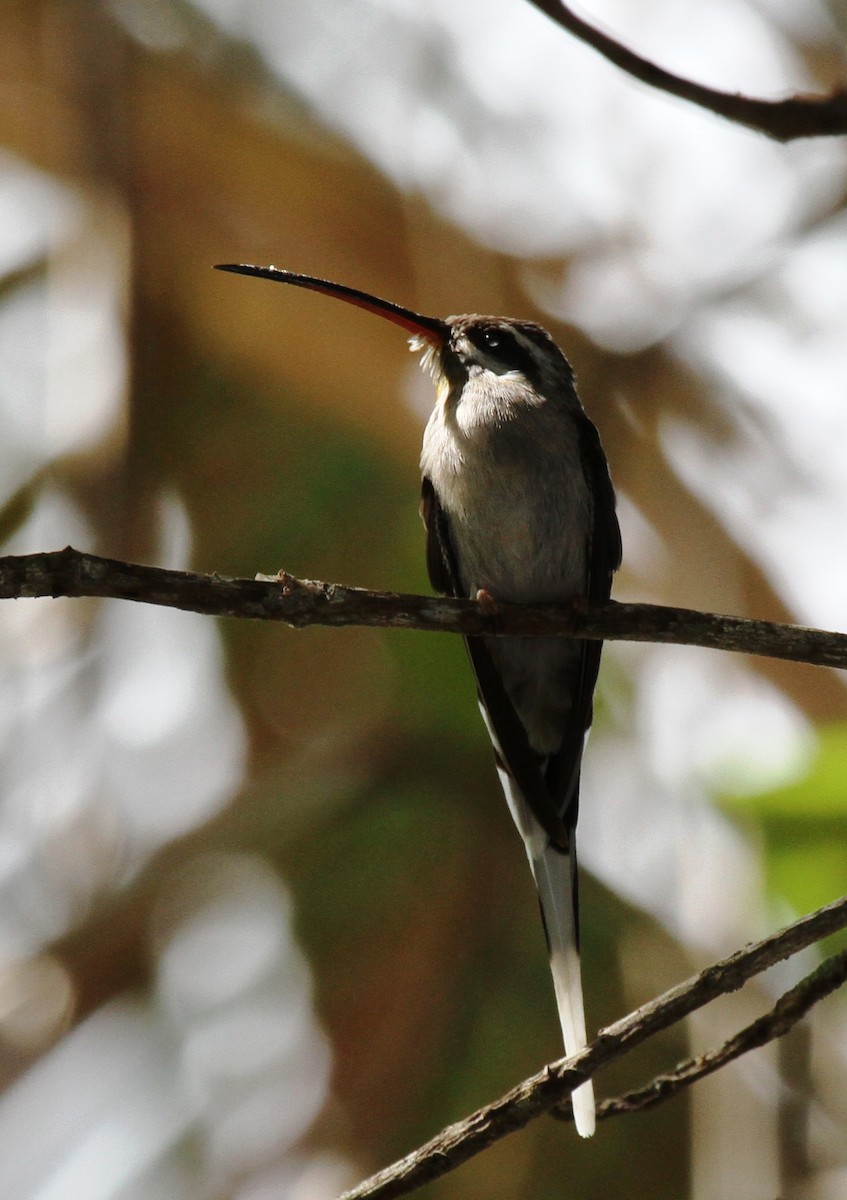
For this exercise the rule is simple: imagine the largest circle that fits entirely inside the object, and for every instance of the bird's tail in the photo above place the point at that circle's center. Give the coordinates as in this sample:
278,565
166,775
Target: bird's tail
555,878
556,881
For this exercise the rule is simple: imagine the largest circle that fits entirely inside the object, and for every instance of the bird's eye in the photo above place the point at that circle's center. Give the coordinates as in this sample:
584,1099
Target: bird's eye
493,340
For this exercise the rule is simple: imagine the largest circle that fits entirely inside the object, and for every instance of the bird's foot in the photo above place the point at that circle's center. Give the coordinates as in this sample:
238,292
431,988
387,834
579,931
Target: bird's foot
487,602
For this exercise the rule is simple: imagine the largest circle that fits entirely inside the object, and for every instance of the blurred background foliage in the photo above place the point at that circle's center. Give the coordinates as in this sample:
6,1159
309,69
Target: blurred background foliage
263,920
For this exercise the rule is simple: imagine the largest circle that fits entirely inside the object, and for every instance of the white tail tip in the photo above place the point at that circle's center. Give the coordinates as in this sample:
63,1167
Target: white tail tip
582,1099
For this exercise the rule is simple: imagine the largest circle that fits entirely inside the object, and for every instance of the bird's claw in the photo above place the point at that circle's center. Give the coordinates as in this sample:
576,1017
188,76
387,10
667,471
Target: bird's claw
487,602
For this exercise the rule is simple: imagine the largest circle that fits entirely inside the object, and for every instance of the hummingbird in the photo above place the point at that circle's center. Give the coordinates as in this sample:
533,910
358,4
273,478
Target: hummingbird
518,507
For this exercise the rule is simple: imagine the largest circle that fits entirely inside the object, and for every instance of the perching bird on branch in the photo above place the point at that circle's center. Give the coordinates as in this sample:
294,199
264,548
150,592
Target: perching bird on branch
518,507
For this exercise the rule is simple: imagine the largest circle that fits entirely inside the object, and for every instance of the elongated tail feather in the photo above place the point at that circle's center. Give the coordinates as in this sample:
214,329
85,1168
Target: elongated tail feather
555,874
555,879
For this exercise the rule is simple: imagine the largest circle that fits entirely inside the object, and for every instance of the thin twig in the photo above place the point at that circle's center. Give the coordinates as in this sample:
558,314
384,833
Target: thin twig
784,120
302,602
460,1142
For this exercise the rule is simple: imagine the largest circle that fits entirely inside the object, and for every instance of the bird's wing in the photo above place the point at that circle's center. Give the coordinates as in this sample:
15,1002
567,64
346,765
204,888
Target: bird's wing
440,557
511,744
603,557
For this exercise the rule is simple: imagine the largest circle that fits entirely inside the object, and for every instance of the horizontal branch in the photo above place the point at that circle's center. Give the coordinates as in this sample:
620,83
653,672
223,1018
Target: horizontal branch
540,1093
303,602
784,120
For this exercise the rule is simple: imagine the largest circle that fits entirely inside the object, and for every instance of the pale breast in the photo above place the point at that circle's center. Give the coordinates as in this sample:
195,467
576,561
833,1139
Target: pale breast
517,502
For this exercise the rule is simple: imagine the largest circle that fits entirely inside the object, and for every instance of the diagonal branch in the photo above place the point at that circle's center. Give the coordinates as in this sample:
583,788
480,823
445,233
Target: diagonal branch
788,1010
302,602
783,120
460,1142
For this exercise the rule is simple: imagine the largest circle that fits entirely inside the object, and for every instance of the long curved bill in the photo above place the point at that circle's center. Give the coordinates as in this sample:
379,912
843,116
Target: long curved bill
429,328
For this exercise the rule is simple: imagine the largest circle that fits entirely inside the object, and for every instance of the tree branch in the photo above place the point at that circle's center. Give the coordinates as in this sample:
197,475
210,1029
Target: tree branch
784,120
788,1010
302,602
538,1094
